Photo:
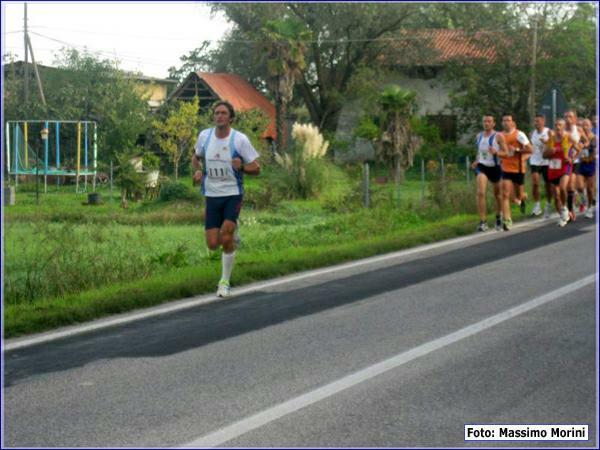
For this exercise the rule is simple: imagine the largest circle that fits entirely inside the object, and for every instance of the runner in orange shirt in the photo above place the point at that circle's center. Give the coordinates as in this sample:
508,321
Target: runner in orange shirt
513,161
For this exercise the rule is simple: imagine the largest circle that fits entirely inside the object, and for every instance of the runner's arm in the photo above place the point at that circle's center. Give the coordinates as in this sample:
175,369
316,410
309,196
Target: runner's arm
253,168
549,150
247,153
503,152
577,146
527,149
197,166
592,150
584,141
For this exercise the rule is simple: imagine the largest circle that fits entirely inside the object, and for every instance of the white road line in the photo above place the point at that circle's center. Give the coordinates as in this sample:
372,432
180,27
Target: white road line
17,343
282,409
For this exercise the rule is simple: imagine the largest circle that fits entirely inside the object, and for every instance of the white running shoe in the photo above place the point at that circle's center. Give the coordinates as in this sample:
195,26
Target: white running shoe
564,214
562,222
547,211
224,289
537,210
590,213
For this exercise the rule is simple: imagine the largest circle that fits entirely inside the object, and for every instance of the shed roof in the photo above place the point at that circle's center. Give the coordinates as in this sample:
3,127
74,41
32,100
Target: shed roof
241,94
237,91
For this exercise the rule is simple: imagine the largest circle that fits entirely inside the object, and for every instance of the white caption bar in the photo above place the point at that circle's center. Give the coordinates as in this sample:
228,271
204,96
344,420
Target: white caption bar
526,432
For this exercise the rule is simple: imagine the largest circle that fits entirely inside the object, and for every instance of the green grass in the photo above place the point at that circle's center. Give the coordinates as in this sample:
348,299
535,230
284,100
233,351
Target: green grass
251,265
67,263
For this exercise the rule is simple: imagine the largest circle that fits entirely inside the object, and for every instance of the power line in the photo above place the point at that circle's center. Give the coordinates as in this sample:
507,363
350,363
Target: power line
108,53
136,36
417,36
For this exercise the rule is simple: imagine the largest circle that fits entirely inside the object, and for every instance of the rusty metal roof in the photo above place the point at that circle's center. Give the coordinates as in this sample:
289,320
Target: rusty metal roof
241,94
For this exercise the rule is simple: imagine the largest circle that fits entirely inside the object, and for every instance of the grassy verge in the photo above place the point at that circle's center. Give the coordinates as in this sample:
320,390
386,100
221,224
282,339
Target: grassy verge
40,315
68,263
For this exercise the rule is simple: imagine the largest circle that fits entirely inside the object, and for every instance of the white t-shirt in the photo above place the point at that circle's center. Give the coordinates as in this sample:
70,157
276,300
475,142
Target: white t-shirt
483,149
538,141
220,179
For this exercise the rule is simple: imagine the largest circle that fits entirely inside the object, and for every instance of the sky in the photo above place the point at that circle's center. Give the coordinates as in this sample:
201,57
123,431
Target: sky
148,37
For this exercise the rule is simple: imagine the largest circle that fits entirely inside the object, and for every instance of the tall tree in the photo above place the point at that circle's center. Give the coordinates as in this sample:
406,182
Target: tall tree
399,142
197,59
344,37
285,45
83,87
501,81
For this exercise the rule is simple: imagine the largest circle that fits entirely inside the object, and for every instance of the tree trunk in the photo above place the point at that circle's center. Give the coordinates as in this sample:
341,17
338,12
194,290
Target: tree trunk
124,203
176,167
399,176
279,111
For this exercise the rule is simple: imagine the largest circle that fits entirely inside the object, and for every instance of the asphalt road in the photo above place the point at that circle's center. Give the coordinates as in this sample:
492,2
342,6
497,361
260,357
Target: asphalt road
243,367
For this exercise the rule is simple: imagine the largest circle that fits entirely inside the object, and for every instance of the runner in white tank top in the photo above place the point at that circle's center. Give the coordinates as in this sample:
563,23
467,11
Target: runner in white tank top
487,168
539,166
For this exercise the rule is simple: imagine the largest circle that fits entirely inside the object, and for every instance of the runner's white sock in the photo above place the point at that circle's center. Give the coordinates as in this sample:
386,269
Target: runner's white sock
227,260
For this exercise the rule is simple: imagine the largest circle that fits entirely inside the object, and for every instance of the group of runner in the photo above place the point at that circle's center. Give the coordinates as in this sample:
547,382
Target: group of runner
564,157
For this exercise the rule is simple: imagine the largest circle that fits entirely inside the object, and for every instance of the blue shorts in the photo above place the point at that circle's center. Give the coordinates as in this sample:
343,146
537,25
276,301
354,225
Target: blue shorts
587,169
219,209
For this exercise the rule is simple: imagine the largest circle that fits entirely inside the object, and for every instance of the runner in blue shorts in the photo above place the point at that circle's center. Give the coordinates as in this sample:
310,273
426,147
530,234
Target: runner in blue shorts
487,168
587,168
222,156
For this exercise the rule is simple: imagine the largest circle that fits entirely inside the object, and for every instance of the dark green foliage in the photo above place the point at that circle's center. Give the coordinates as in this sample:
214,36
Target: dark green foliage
173,190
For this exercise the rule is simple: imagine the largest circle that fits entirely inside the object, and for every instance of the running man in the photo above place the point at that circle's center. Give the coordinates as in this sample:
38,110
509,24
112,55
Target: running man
587,168
560,167
487,168
513,161
581,141
222,157
539,166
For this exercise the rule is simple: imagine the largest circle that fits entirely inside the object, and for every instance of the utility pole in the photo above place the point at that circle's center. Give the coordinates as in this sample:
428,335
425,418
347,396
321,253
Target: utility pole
26,71
533,64
37,73
29,49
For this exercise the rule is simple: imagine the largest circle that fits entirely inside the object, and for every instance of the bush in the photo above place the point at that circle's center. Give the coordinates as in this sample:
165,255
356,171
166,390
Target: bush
341,192
172,190
302,171
261,195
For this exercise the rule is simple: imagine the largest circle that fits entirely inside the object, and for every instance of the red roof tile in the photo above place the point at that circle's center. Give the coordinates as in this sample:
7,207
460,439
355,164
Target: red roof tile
241,94
445,45
456,44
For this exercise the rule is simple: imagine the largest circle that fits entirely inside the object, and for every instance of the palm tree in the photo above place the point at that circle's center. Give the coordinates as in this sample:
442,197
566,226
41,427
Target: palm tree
398,142
285,44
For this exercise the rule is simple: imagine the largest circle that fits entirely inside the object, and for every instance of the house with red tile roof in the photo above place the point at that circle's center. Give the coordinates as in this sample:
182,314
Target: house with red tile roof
210,87
417,61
